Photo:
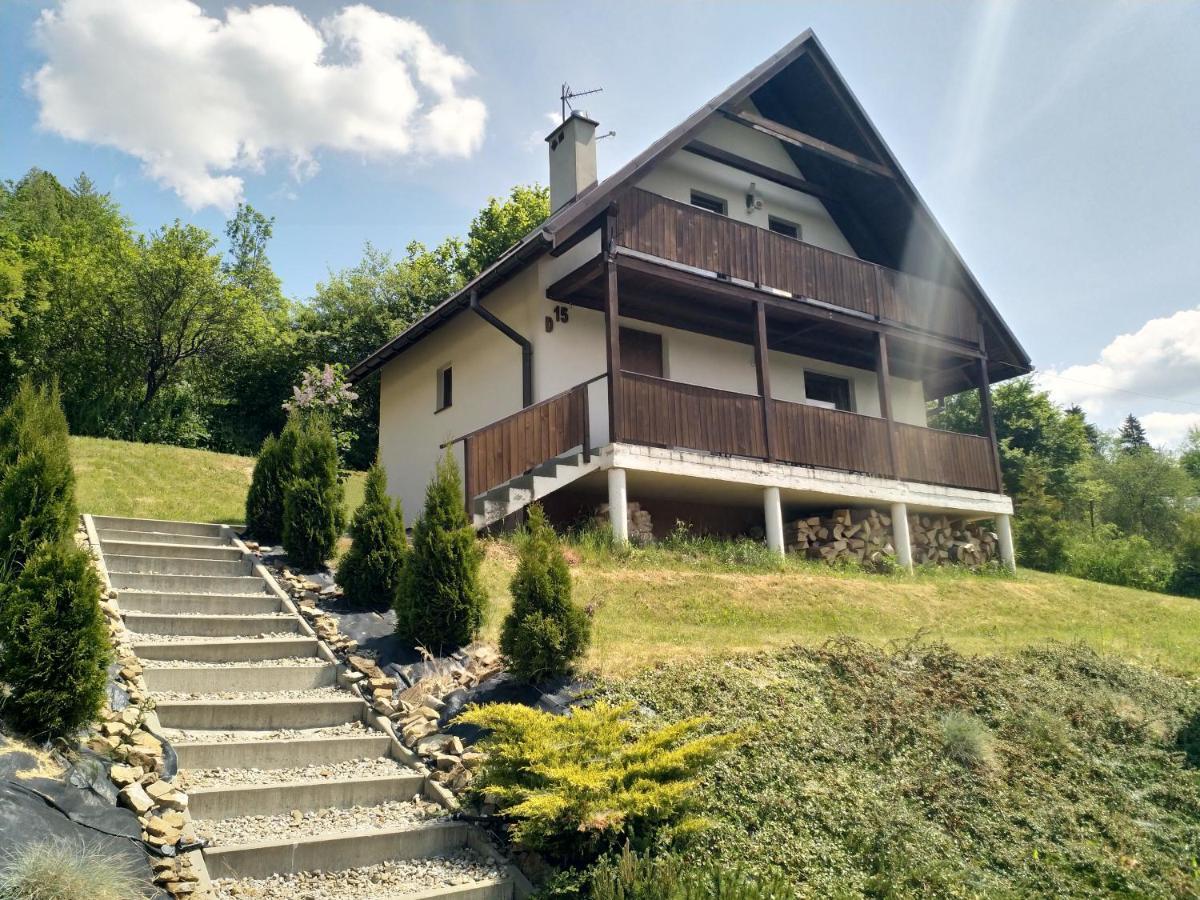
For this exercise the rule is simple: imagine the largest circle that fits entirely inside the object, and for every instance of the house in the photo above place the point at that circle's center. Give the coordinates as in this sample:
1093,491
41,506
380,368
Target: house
743,324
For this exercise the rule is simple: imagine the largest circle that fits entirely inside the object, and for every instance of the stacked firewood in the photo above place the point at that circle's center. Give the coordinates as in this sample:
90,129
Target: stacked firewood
865,536
641,529
940,540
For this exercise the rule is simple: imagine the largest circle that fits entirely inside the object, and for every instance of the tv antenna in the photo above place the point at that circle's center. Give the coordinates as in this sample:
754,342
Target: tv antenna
568,95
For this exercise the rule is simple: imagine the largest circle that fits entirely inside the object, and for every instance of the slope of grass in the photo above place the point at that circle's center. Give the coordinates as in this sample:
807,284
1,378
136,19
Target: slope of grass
921,772
154,481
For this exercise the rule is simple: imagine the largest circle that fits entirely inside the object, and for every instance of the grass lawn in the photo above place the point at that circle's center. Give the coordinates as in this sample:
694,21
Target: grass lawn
153,481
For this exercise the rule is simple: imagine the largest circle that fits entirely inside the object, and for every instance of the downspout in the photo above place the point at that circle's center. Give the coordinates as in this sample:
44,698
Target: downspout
515,337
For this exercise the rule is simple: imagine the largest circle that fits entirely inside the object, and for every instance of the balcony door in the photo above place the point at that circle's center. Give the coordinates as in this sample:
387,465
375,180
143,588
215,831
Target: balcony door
641,352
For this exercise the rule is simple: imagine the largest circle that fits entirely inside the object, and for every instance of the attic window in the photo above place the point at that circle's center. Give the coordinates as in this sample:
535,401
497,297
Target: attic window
784,227
445,388
709,202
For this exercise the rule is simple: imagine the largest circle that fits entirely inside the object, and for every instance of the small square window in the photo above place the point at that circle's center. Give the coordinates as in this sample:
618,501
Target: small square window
784,227
828,391
709,202
445,388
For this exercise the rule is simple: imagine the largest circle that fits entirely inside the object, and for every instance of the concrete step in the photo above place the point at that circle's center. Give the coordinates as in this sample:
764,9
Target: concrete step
210,626
161,526
247,715
279,753
188,584
119,535
172,565
215,680
272,799
228,651
214,604
170,551
335,851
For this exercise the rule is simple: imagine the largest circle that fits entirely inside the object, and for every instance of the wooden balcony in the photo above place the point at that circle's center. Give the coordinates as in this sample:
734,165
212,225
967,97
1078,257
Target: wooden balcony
666,229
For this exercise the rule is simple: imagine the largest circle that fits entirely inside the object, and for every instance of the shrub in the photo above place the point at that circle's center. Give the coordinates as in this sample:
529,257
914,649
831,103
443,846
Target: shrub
545,632
313,513
273,471
583,785
370,571
440,602
54,646
644,877
1185,580
967,741
37,484
1040,534
61,869
1129,560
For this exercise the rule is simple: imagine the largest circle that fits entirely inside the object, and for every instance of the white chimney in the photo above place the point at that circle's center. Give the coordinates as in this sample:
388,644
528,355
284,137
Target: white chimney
572,159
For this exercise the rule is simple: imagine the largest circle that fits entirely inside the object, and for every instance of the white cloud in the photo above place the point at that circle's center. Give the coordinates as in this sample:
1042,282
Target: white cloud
536,140
1161,360
198,98
1166,429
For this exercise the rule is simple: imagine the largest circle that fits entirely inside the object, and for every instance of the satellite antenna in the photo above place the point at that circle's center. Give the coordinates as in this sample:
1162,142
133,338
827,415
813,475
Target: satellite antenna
568,95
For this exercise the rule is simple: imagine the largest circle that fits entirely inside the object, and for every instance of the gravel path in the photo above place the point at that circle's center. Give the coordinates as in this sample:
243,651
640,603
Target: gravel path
389,881
350,729
297,824
145,637
354,768
325,693
315,661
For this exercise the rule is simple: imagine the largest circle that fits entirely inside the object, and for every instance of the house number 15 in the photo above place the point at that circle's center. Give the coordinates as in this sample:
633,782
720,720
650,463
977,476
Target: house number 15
561,314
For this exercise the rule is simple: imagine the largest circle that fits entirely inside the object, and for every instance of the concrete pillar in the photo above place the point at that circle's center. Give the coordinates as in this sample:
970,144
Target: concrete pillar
618,505
901,536
1008,554
773,516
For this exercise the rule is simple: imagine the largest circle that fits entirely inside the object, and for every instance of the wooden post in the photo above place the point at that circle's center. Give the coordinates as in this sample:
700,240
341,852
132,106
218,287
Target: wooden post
989,424
467,478
586,424
762,368
612,324
884,377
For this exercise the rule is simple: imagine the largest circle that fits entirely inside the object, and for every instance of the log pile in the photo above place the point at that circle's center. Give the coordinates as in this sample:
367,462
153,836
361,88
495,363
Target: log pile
865,536
641,529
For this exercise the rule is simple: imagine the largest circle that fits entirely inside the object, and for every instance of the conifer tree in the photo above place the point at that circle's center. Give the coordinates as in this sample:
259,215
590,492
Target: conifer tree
1132,436
369,574
313,513
545,632
37,483
440,602
54,648
273,470
1040,530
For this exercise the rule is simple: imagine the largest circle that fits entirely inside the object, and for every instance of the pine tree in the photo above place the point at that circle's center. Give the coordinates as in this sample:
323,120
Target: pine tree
440,602
1040,530
1132,436
54,648
370,571
37,483
273,470
313,513
545,632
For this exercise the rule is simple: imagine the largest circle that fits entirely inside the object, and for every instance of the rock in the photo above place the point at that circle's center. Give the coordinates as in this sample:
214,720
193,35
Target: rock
126,775
445,761
418,730
134,797
473,760
383,707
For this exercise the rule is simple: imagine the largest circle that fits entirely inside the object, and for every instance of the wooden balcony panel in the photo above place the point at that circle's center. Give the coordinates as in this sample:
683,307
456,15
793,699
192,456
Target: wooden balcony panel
945,457
664,413
831,439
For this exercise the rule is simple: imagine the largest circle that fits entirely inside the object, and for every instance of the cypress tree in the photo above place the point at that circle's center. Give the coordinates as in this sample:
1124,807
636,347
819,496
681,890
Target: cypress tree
54,648
313,513
37,483
370,571
544,633
440,602
273,470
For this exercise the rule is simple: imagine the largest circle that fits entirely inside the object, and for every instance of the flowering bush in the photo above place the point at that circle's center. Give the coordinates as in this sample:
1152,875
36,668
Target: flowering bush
326,389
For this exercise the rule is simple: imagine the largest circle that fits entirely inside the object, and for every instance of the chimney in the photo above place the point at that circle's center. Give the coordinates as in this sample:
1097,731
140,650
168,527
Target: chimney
572,159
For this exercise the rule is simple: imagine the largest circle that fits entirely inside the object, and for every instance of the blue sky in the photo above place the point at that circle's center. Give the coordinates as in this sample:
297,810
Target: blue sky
1055,142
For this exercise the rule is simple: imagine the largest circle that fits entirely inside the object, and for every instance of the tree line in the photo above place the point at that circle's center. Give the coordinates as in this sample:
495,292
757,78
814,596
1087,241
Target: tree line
181,336
1102,505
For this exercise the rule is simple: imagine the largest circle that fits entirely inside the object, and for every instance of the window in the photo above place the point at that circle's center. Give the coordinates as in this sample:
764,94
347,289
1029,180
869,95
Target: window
828,391
709,202
784,227
445,388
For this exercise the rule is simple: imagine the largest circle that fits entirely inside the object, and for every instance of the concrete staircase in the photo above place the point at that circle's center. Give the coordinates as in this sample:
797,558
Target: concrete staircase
517,493
287,778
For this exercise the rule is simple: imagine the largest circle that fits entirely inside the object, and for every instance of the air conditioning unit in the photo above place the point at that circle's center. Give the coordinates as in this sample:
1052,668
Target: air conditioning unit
753,200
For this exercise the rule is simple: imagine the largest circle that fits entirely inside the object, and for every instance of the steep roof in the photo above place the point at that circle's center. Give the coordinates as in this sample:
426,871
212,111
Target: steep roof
881,213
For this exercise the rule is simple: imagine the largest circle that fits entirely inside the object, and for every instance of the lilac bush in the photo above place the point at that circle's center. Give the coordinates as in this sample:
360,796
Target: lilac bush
326,391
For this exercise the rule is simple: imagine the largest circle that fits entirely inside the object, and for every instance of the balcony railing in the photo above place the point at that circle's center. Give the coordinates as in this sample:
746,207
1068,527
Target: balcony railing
656,226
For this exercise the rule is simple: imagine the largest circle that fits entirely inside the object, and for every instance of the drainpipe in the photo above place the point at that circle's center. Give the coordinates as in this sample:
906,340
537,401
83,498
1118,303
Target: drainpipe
515,337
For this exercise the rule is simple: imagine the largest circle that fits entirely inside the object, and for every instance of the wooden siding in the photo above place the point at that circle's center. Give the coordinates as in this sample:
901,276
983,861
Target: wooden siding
668,229
517,443
832,439
665,413
945,457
